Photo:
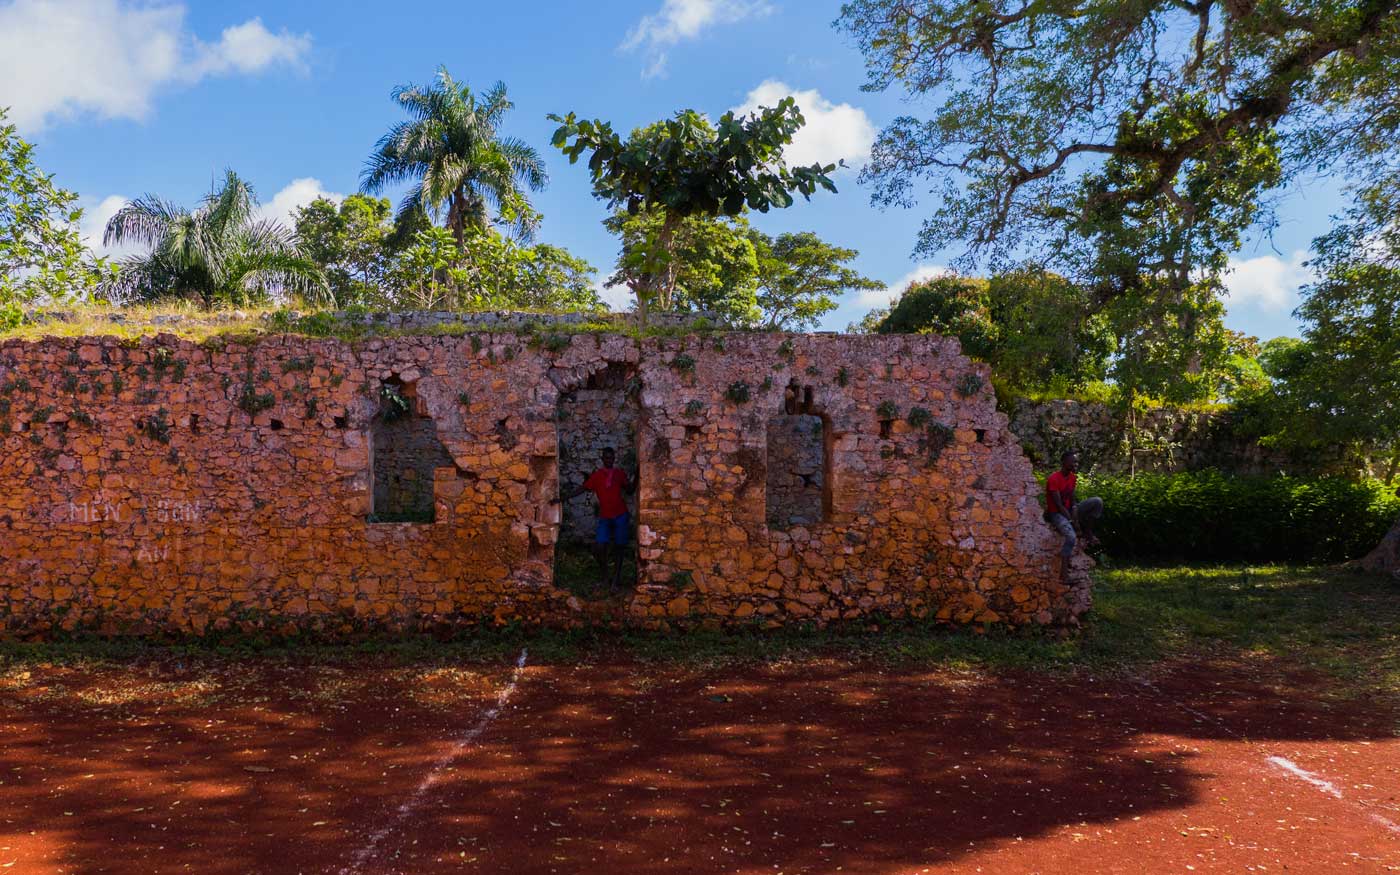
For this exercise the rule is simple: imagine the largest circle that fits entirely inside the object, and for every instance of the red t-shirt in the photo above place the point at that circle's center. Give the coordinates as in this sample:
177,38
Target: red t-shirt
1063,484
607,484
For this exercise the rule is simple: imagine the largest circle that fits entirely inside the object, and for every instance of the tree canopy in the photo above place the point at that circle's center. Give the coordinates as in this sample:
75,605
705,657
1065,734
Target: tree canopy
683,167
218,253
42,256
453,154
800,276
1131,145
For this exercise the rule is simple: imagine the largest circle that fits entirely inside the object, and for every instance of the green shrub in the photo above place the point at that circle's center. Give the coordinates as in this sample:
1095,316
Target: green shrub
1208,516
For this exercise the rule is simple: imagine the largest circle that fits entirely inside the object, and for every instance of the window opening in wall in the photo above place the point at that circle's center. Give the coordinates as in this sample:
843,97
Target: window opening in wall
405,455
601,412
799,462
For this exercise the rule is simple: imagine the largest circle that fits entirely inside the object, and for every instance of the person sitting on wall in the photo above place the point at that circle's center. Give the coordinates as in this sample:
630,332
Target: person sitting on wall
1066,513
608,484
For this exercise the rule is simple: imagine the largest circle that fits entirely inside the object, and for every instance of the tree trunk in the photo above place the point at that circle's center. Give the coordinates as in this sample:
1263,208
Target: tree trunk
1385,559
666,240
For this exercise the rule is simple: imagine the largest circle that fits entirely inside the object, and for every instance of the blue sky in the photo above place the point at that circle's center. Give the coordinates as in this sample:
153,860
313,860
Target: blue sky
125,98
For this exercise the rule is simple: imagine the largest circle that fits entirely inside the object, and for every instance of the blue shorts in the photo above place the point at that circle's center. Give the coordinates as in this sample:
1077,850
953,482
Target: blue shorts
617,530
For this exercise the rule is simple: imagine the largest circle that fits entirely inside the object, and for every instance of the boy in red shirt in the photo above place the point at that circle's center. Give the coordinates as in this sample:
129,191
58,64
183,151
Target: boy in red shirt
1065,513
609,483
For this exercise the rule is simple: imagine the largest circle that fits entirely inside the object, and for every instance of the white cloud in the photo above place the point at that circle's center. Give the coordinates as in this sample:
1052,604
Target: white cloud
1267,283
872,298
679,20
833,132
96,215
298,193
109,58
619,299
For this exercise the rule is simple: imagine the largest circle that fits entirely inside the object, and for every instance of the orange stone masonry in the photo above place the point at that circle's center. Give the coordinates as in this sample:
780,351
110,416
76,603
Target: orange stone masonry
165,486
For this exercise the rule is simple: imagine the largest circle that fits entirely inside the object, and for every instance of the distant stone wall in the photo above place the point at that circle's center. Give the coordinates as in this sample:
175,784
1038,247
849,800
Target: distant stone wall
1164,439
168,486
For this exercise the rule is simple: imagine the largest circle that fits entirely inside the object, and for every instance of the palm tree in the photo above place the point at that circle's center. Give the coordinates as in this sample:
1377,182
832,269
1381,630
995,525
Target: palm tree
451,152
221,252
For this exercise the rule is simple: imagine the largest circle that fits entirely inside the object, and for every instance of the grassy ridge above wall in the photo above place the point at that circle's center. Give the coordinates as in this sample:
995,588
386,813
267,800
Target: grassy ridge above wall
1208,516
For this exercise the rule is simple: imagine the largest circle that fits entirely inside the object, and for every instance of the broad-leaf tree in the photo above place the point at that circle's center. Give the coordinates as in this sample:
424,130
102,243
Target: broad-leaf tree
800,276
351,242
714,265
459,165
218,253
42,256
685,167
1133,142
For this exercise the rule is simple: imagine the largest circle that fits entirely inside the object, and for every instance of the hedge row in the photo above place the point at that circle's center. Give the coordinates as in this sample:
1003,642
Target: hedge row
1207,515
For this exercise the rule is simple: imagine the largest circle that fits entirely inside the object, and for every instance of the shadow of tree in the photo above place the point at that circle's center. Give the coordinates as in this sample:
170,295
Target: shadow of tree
806,766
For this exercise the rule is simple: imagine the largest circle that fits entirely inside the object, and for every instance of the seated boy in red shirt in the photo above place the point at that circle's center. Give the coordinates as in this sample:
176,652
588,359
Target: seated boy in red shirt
1064,512
608,484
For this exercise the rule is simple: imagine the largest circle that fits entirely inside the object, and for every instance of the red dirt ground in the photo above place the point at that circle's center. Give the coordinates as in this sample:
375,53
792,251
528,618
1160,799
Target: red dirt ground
809,767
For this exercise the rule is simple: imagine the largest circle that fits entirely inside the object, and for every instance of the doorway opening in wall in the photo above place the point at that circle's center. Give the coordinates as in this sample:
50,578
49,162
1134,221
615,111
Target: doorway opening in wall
405,456
599,413
798,467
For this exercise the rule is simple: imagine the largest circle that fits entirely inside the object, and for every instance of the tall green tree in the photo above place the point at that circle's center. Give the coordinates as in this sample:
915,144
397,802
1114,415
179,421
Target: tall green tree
42,256
1048,333
800,276
491,271
218,253
453,153
685,167
952,306
352,243
1132,142
714,265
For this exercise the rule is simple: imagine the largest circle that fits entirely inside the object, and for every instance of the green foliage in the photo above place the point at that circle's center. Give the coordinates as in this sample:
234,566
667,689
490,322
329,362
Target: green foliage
694,408
486,270
738,392
220,253
1132,144
157,426
1207,516
843,376
352,244
1341,383
684,167
939,437
887,410
712,264
253,402
42,256
800,276
948,305
919,417
969,384
453,155
683,364
392,404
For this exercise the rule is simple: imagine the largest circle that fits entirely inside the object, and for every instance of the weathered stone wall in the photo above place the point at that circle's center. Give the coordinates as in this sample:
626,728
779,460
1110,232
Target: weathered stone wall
169,486
1163,440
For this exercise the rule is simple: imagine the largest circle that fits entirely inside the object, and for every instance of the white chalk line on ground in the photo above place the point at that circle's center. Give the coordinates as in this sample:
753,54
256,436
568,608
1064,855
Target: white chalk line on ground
1282,764
1327,787
415,799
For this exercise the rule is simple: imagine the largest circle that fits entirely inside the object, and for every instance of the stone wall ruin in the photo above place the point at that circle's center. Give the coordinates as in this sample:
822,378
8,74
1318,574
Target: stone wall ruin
170,486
